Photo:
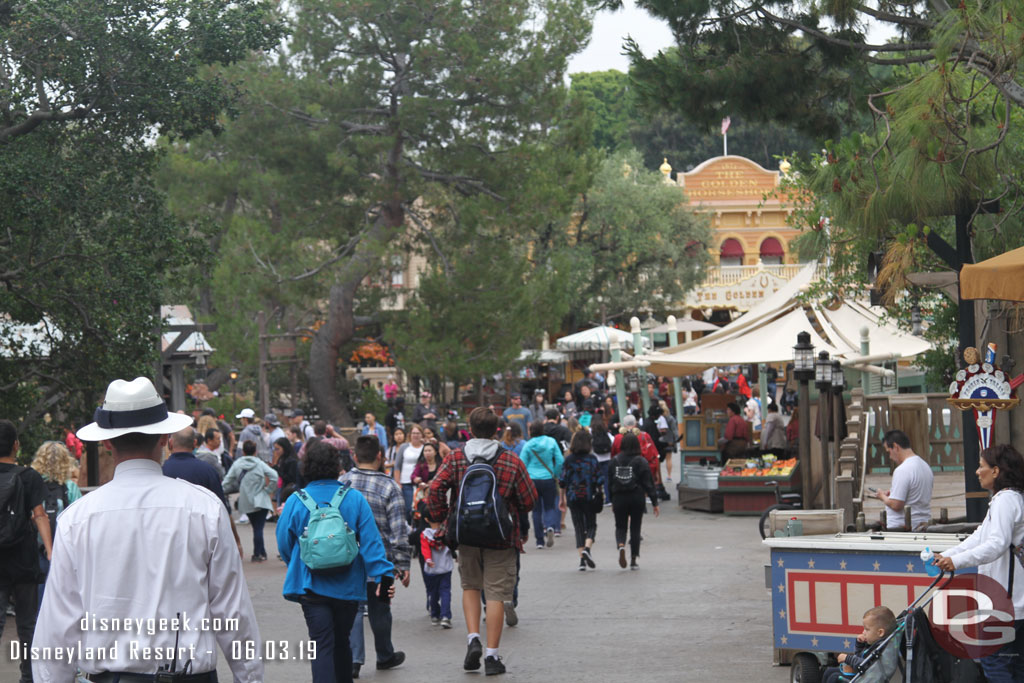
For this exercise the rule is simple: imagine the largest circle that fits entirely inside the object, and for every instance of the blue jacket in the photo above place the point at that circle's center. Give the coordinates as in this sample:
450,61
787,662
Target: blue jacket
542,449
379,432
344,584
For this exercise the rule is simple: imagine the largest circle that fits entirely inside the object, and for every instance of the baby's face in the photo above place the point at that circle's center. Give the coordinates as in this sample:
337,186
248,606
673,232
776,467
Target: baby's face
871,633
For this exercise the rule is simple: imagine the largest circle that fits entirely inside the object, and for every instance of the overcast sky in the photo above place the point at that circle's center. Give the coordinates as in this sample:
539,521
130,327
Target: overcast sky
611,29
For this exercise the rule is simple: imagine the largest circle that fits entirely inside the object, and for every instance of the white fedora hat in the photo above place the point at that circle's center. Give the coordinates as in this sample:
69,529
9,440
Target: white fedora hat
132,407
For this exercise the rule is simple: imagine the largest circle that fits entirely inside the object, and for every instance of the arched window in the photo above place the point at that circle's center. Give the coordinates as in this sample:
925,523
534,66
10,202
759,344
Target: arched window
731,253
771,252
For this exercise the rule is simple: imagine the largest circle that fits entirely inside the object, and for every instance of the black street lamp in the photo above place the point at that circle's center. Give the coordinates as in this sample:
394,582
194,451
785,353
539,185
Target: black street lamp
803,370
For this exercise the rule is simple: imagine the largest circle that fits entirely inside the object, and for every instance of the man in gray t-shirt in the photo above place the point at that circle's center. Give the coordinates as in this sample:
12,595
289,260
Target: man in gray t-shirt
912,482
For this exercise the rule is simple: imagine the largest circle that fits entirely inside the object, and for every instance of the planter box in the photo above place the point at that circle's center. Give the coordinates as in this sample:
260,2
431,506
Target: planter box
701,477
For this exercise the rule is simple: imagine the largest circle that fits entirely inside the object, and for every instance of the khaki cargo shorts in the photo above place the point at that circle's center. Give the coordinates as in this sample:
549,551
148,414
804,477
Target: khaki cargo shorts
494,571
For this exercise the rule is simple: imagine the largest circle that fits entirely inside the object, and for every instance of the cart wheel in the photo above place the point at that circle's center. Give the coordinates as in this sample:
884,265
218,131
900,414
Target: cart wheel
763,525
805,669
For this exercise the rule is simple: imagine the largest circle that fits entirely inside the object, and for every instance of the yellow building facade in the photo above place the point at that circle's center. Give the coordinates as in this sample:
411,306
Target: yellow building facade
751,231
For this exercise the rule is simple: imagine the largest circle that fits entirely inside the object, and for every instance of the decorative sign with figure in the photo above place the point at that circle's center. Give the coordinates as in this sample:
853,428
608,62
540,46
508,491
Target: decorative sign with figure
984,388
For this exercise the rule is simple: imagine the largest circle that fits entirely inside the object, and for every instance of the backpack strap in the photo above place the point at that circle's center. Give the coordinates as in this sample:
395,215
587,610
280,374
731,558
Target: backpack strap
306,499
339,495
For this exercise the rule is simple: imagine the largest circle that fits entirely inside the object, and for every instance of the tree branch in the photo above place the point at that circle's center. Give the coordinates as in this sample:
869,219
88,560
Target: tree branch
33,120
860,47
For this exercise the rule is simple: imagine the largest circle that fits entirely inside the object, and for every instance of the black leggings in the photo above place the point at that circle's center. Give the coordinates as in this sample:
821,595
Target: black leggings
629,511
584,521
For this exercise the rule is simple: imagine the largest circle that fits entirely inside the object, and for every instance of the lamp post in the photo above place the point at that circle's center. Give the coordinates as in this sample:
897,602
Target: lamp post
823,382
803,370
233,374
838,387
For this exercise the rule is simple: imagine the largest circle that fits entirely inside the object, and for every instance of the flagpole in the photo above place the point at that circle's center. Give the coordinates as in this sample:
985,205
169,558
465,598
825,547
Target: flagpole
725,144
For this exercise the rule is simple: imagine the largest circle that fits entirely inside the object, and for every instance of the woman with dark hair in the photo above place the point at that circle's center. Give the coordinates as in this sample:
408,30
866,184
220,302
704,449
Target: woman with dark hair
543,459
736,440
990,549
426,466
330,599
630,480
601,444
583,485
287,465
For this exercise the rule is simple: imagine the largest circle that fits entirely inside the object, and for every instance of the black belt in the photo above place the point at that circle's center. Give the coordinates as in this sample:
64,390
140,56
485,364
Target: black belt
131,677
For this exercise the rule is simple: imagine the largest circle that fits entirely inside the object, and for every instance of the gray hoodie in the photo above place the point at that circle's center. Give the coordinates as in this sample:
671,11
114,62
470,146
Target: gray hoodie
480,449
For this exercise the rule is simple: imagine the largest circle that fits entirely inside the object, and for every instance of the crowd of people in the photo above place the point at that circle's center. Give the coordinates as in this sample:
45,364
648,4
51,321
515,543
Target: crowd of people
410,489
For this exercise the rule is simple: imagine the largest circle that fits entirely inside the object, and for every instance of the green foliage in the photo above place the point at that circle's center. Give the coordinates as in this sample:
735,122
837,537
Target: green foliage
87,242
357,146
370,401
634,245
128,66
88,245
620,123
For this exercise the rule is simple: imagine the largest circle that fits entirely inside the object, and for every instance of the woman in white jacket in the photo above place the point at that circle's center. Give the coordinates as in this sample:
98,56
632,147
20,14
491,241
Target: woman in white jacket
1001,471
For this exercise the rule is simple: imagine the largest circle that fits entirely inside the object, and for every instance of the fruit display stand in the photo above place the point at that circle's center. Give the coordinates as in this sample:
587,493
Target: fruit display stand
822,585
743,489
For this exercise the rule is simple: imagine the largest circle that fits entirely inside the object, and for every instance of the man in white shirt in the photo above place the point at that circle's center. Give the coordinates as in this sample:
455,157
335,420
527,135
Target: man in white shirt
141,561
911,484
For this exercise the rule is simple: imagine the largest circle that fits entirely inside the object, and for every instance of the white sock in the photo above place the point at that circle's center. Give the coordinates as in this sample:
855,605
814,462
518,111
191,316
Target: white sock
492,652
471,637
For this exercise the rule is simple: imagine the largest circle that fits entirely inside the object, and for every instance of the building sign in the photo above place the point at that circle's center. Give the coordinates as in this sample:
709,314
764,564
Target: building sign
741,295
727,178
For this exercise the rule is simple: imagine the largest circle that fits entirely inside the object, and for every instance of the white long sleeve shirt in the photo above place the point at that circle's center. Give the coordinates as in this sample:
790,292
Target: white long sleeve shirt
139,550
988,548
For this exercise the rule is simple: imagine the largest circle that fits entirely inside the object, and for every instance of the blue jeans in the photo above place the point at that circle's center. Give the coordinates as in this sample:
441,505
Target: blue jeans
545,510
407,492
329,622
258,520
380,623
439,595
1008,663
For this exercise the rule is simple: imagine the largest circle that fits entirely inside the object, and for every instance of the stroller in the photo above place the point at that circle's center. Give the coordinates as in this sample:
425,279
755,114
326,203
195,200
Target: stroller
907,624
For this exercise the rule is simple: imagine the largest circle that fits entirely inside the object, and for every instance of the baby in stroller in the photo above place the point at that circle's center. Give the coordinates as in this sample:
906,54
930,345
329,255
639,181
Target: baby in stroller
879,622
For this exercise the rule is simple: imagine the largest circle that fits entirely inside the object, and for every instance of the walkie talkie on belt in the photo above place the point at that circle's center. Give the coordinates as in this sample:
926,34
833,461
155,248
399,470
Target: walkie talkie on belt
166,673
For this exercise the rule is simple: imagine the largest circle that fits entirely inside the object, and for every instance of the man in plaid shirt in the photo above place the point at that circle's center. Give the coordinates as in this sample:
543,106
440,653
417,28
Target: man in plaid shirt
491,569
388,506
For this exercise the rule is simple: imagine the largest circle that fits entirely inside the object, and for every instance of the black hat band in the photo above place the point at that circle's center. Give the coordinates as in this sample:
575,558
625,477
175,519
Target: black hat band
124,419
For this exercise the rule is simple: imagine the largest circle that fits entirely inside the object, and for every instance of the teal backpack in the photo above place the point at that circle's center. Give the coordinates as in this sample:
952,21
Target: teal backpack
327,543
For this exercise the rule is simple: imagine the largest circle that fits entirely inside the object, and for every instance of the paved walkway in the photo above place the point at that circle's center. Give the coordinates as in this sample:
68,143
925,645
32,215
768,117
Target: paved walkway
697,610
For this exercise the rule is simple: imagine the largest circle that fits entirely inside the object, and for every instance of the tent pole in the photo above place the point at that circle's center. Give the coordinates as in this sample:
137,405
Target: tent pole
762,389
638,349
677,391
620,381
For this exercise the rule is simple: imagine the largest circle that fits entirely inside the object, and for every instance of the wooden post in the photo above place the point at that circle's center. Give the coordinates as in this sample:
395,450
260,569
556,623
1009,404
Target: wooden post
804,443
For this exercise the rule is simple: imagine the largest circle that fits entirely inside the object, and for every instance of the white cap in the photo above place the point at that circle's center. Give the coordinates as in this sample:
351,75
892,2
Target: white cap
246,412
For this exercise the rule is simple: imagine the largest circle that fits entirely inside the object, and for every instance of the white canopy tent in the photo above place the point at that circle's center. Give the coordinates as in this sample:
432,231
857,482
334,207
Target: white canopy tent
767,333
597,338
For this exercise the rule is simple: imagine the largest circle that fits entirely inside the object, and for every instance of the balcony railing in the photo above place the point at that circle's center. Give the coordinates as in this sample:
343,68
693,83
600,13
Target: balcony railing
721,276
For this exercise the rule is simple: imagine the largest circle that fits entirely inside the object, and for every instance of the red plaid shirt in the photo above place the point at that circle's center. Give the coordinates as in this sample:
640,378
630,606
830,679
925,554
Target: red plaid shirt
514,485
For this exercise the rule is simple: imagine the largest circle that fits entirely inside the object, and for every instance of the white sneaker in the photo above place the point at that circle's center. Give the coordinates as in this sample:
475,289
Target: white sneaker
244,519
549,537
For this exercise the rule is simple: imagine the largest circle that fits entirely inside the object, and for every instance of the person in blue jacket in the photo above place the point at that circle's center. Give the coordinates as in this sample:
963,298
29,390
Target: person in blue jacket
330,600
543,459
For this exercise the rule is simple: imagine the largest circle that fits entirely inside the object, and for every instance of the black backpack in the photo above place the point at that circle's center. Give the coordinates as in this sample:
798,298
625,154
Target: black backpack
481,517
602,441
55,501
13,520
623,474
